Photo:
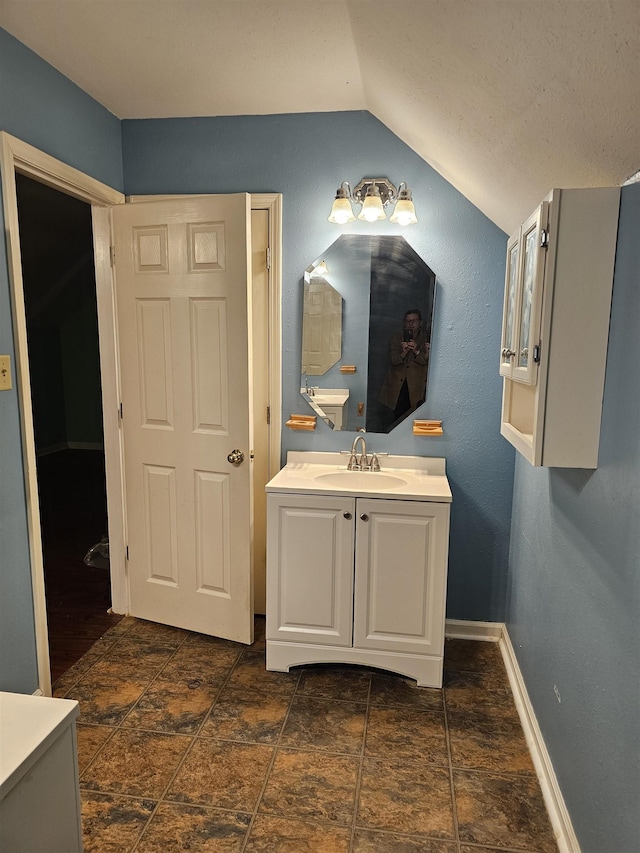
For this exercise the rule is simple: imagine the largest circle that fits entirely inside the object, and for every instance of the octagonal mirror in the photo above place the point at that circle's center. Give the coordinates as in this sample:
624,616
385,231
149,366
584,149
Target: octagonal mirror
375,295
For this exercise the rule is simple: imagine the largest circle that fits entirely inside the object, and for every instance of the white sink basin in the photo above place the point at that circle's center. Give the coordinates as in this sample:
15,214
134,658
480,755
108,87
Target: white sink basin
325,473
361,480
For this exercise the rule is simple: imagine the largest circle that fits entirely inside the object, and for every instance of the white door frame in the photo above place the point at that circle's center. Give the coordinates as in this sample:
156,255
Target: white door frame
19,156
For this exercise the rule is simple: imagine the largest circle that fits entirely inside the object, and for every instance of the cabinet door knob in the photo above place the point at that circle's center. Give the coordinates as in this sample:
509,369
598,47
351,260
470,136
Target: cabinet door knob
347,515
364,517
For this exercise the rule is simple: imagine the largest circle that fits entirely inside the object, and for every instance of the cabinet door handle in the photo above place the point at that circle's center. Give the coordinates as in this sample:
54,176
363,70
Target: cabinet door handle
364,517
347,515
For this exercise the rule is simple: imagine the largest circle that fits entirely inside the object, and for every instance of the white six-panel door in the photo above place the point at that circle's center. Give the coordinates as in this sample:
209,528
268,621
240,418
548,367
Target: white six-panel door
181,273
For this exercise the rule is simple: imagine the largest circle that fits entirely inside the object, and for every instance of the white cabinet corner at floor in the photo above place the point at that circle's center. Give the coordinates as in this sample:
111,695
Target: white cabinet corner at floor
553,351
39,788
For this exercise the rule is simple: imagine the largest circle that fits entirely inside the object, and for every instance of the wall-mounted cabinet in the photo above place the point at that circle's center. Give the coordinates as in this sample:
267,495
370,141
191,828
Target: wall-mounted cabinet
558,284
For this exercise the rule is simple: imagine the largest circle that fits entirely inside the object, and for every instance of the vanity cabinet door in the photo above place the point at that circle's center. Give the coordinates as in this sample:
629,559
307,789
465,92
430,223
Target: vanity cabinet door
310,545
400,576
524,283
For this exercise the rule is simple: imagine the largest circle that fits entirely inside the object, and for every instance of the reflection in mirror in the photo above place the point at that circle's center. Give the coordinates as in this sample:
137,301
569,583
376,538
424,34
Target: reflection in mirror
388,293
321,326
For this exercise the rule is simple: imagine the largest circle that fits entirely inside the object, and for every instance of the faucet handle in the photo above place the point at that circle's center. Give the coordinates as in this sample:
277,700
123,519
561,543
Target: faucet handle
353,464
374,464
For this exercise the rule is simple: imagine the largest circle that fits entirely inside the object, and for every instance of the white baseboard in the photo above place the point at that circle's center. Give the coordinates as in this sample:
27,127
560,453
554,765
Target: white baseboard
554,801
51,448
85,445
70,445
461,629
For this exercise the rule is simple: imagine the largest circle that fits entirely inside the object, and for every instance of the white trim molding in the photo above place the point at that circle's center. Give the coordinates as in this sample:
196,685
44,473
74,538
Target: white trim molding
496,632
19,156
461,629
554,801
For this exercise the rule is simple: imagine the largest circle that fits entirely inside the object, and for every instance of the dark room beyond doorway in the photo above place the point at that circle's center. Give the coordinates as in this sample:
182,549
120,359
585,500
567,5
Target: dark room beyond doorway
56,244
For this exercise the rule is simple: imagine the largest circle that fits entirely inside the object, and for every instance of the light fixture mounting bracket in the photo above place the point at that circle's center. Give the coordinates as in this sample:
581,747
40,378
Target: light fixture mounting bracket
388,193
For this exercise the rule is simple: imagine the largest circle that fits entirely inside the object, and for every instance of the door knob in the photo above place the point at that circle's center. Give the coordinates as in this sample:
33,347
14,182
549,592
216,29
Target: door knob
364,517
235,457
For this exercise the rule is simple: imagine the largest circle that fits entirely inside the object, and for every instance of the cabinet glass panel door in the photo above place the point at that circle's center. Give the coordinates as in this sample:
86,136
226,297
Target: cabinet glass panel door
530,298
507,346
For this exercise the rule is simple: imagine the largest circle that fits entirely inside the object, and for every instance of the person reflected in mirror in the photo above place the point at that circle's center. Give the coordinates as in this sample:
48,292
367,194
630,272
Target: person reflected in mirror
404,386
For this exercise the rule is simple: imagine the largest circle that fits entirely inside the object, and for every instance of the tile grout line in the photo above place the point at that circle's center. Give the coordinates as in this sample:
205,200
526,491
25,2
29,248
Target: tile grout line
114,728
276,746
194,736
277,749
121,727
454,805
89,668
360,767
117,728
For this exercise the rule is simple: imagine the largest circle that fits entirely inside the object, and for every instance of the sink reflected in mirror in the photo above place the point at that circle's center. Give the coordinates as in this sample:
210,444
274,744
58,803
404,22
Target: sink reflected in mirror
327,403
367,480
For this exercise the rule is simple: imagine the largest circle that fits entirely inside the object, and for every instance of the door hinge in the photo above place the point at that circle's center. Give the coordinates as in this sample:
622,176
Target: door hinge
112,255
268,257
268,414
544,239
127,553
536,353
120,411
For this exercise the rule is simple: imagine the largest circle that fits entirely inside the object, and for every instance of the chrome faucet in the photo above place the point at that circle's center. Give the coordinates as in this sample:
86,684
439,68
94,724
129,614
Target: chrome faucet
358,462
308,390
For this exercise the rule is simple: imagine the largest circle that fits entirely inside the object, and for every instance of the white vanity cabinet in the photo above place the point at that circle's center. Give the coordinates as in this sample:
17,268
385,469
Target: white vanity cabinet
553,350
355,579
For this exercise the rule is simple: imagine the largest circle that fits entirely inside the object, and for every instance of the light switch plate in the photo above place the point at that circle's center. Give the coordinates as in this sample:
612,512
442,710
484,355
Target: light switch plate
5,373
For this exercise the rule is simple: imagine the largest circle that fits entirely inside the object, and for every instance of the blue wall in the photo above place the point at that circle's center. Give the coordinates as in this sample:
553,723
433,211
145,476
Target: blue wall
575,589
43,108
306,157
573,595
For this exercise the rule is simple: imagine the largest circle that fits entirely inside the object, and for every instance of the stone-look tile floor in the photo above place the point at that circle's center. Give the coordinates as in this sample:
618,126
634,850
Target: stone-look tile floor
187,743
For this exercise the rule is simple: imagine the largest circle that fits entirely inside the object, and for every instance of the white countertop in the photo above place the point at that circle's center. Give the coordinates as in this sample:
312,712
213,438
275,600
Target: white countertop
28,725
400,477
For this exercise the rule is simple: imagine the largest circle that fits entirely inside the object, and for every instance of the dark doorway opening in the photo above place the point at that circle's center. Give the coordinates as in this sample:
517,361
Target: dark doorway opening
56,241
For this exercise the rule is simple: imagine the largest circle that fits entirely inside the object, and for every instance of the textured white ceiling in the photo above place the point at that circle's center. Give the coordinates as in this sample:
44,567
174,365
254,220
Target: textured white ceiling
505,98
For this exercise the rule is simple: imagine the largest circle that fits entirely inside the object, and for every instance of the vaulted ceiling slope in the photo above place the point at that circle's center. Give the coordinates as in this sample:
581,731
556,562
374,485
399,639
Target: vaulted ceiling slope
505,98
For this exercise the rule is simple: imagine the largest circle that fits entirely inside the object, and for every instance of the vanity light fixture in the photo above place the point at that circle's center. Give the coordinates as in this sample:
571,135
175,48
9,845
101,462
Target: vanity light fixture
320,270
374,194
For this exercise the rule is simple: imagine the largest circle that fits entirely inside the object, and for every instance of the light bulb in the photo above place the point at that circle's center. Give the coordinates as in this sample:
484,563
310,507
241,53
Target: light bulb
341,212
372,210
405,212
